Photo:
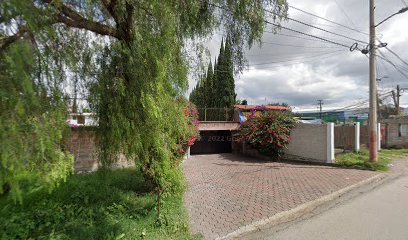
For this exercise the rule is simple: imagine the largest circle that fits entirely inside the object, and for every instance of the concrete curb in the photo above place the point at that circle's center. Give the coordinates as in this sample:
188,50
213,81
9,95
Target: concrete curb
299,211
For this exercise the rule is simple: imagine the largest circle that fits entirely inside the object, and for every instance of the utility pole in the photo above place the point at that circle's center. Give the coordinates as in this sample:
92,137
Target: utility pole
373,89
396,98
373,83
320,102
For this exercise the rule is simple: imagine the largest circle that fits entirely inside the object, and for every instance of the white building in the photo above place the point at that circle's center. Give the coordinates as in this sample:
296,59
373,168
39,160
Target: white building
82,119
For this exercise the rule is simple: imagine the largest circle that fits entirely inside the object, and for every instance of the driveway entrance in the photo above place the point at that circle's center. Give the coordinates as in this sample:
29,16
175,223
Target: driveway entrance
226,192
213,142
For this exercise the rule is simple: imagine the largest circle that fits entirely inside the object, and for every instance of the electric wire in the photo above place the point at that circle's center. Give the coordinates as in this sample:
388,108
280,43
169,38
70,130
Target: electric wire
396,55
295,36
319,28
328,20
296,46
390,62
398,66
301,37
286,55
315,56
345,14
306,34
360,104
294,63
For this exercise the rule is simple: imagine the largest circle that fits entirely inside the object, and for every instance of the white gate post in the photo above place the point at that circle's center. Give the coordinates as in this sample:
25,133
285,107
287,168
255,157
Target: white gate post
357,137
330,143
379,136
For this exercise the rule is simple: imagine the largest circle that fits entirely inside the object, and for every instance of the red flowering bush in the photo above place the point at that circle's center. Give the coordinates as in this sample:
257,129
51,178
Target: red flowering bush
190,136
267,131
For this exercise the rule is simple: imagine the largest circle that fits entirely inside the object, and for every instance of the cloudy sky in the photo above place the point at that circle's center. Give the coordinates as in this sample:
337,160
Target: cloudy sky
299,70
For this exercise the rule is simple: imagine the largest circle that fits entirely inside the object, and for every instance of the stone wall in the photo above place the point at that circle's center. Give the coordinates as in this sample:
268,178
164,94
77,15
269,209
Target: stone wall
83,147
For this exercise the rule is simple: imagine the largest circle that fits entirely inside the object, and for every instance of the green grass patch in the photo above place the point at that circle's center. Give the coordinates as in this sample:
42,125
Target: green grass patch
361,159
103,205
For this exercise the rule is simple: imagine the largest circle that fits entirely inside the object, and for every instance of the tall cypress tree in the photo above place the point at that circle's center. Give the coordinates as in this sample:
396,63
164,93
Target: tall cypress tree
217,88
209,86
228,80
193,96
218,78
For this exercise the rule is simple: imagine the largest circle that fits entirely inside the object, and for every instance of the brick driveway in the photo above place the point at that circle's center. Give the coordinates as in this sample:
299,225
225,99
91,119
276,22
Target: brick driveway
227,192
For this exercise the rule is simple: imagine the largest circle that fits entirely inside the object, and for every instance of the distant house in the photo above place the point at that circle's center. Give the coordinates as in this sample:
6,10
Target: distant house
357,115
241,112
396,132
82,119
248,108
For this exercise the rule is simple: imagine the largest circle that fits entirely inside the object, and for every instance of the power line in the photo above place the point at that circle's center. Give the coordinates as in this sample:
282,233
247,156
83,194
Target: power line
361,103
396,55
344,13
315,56
289,55
296,46
390,62
291,64
306,34
319,28
398,67
300,37
295,55
328,20
294,36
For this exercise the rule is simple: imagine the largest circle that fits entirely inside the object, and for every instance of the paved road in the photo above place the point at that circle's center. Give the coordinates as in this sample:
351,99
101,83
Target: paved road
381,214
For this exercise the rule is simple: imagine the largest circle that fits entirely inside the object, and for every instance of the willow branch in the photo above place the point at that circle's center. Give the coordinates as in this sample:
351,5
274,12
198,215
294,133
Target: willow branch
7,41
71,18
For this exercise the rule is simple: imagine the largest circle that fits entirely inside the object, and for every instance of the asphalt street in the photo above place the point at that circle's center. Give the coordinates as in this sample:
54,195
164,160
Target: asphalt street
377,215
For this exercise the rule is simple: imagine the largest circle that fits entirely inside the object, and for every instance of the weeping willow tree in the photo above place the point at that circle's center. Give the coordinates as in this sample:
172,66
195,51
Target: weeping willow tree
32,122
139,65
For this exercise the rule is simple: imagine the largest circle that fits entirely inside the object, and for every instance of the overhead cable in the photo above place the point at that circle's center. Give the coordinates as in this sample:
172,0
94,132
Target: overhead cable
328,20
315,56
319,28
306,34
390,62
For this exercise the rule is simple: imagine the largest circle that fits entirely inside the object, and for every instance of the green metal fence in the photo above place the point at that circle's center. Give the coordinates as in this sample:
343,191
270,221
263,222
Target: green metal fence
215,114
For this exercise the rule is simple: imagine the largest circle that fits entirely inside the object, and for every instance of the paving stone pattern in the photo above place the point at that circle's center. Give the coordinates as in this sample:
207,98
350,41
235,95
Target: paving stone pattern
226,191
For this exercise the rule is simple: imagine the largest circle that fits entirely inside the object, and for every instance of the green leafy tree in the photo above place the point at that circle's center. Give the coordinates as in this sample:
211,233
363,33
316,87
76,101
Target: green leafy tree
137,70
32,122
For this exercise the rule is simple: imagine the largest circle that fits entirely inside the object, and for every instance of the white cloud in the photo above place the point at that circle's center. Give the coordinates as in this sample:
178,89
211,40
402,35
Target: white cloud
339,78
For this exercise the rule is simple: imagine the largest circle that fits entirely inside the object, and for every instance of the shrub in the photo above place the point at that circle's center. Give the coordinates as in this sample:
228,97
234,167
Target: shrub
191,112
267,131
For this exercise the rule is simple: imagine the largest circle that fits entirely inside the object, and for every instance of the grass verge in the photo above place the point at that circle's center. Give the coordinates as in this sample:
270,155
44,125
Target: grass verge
361,159
103,205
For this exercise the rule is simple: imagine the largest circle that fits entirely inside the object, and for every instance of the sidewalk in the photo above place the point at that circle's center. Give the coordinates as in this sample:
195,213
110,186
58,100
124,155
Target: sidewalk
228,192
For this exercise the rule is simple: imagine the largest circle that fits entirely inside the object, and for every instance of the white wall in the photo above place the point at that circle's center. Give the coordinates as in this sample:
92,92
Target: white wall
312,142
